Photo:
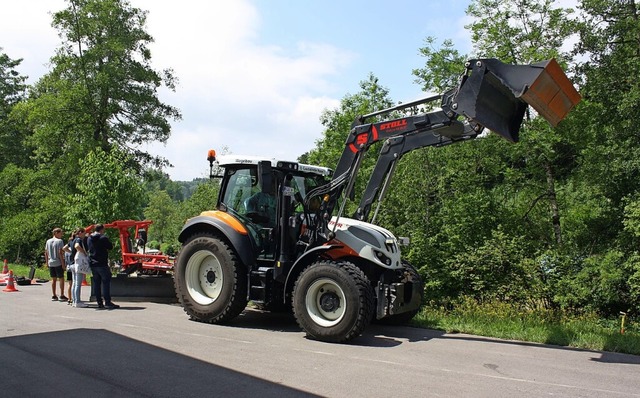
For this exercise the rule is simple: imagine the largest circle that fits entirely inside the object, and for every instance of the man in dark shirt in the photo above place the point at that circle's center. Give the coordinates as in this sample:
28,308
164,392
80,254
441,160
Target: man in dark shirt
99,246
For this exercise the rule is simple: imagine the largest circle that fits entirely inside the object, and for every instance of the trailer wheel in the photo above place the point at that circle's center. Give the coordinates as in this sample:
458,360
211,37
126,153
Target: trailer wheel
210,281
410,275
333,301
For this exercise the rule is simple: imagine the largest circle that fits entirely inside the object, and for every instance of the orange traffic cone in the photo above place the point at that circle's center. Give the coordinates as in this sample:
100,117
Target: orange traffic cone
10,286
5,268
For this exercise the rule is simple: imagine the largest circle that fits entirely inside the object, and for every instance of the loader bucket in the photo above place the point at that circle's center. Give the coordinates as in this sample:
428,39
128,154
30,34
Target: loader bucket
496,95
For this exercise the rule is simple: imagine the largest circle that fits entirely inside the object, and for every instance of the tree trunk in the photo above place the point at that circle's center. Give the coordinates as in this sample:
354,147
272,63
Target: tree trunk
553,203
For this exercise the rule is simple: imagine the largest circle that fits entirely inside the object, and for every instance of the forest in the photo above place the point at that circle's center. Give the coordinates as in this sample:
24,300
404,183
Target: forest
550,222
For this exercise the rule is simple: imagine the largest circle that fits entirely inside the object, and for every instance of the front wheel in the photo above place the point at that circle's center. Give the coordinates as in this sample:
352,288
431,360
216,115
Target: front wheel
333,301
210,282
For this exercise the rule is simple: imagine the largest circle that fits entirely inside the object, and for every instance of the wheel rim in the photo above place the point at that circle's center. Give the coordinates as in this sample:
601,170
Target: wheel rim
325,302
204,278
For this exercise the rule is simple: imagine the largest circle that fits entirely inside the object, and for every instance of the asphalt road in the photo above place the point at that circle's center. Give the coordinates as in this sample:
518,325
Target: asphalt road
145,349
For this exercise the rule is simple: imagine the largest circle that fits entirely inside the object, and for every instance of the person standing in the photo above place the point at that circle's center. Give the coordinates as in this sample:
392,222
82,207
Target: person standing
68,260
99,246
78,254
54,256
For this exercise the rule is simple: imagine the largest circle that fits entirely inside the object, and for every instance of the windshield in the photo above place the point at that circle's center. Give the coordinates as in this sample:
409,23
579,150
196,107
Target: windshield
302,185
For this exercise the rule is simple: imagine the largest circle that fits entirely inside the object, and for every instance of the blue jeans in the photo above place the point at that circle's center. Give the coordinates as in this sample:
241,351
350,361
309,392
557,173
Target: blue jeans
101,283
78,278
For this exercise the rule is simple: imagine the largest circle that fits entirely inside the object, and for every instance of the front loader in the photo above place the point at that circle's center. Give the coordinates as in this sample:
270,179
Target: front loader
278,238
392,151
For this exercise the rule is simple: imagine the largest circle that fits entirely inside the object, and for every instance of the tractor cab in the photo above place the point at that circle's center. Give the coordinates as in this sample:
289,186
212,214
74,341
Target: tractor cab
266,197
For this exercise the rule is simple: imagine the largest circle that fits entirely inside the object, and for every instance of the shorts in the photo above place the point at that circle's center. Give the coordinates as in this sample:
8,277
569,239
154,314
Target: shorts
56,272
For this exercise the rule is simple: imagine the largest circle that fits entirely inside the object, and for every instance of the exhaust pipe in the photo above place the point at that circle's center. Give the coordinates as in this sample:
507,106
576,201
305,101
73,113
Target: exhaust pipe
496,95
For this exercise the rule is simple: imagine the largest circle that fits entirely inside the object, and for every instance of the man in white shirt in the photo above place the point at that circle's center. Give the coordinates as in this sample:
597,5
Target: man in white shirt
54,255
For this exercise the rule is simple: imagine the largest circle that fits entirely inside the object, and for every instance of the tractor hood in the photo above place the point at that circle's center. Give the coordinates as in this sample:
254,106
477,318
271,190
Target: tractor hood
371,242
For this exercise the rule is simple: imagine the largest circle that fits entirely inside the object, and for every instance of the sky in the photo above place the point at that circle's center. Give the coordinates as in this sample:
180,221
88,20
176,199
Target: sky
255,76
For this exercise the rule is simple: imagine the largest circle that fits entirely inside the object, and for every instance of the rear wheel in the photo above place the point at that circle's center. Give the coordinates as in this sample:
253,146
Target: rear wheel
210,282
333,301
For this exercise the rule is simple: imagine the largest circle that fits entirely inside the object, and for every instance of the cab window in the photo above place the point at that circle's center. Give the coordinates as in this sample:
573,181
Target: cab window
241,184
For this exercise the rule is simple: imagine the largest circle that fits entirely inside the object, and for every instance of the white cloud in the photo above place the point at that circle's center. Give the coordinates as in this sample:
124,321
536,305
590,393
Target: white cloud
255,98
25,28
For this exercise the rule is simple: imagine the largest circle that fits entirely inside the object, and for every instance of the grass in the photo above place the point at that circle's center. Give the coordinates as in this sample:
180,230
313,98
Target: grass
504,322
540,326
23,270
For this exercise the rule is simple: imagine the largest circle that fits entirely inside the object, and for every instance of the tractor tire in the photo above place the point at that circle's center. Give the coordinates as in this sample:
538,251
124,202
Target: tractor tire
410,275
210,281
333,301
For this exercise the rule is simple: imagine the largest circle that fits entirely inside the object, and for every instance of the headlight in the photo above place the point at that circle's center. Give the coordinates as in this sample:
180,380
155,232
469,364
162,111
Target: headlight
382,257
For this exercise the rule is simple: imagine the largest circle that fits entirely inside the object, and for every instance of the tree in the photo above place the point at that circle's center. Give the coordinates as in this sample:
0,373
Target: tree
12,84
156,180
30,207
204,198
102,87
12,134
609,40
443,66
519,31
162,211
108,190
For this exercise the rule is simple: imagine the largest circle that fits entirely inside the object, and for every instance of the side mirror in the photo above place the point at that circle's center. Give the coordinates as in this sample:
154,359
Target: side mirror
265,177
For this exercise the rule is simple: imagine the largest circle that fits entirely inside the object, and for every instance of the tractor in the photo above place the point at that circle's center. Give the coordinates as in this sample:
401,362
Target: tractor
278,236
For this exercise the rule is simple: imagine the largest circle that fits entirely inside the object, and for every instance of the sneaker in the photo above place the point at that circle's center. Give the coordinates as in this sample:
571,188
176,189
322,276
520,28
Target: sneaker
79,304
70,302
54,298
111,306
63,298
100,306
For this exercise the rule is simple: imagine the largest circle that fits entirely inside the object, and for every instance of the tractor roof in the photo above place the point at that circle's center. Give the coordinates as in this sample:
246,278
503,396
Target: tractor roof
227,160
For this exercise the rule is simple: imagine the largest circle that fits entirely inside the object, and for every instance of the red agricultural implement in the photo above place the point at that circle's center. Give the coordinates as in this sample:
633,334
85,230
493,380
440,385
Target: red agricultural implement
153,270
133,240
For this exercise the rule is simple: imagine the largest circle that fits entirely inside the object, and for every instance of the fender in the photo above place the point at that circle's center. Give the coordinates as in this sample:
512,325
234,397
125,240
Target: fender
301,262
229,226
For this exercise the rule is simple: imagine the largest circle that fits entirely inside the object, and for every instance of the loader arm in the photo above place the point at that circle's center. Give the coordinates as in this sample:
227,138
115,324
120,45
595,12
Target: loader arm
392,151
490,94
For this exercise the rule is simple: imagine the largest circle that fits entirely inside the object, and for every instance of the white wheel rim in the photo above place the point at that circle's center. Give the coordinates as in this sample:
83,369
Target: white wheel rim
203,275
321,293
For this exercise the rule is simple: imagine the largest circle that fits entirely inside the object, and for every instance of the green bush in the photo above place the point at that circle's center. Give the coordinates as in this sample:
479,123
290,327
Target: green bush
604,283
496,270
170,249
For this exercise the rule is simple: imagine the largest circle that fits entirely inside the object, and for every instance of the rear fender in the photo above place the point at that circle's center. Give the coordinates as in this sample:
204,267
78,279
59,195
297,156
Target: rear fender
239,238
